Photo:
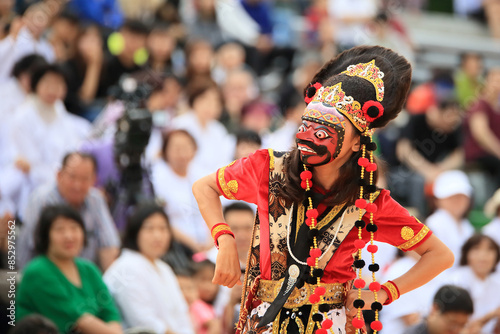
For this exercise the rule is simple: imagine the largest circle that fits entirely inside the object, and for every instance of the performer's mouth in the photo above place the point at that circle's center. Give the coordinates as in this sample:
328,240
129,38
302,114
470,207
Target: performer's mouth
310,148
304,149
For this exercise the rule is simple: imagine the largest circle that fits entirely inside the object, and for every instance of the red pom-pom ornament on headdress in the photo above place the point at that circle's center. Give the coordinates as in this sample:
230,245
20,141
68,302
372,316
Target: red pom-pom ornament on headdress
372,110
311,91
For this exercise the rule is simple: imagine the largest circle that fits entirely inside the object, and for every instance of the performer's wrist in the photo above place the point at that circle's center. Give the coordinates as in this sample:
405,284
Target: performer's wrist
392,291
221,232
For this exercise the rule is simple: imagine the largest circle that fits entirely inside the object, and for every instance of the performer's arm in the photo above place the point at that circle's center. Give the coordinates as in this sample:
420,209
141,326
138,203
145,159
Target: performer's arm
227,267
435,257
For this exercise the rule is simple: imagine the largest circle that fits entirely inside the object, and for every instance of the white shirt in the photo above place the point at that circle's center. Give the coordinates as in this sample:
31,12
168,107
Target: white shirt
485,293
283,139
43,144
180,204
215,145
492,229
452,233
351,33
147,295
13,49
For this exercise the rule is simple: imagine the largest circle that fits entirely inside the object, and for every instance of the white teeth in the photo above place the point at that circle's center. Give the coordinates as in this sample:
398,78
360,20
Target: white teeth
303,148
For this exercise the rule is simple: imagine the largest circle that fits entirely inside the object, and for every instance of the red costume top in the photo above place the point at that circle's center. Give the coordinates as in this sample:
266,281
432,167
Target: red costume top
247,179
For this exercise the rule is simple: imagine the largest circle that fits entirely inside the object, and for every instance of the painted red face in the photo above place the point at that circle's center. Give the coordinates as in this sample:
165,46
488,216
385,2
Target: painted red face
319,144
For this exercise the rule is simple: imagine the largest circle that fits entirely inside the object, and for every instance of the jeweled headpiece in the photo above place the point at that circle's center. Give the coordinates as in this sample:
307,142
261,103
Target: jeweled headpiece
369,71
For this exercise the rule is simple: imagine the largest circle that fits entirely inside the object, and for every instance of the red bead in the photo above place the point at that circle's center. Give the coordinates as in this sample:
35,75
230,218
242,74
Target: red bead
359,283
303,185
376,325
363,162
374,286
308,221
358,323
371,167
315,252
321,331
311,262
327,324
306,175
312,213
371,208
314,298
360,203
359,244
320,290
372,248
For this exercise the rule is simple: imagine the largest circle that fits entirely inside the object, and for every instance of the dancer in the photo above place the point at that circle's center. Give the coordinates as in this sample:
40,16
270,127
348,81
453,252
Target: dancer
318,207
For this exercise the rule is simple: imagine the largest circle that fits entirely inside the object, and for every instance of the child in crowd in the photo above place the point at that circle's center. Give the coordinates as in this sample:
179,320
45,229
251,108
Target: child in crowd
202,309
453,193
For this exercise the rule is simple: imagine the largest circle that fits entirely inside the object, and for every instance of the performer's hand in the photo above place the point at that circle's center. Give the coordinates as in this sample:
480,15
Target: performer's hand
367,296
227,266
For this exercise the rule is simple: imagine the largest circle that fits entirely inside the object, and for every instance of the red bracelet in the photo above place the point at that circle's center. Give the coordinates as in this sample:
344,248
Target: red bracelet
218,230
392,291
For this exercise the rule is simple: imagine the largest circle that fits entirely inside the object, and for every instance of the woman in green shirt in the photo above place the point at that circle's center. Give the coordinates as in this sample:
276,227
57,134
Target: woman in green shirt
58,285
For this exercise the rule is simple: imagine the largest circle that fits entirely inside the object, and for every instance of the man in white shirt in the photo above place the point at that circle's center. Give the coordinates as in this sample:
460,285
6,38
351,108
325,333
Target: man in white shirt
453,192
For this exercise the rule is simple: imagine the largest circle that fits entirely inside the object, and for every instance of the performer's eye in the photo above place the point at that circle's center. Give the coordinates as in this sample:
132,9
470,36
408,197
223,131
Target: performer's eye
302,128
322,134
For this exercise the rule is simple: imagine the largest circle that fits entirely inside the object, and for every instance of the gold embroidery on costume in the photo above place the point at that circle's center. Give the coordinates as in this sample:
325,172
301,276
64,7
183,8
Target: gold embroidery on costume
407,233
222,182
271,159
416,239
233,186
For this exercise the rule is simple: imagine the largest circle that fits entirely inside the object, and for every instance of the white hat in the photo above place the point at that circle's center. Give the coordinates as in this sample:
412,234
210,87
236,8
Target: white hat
451,183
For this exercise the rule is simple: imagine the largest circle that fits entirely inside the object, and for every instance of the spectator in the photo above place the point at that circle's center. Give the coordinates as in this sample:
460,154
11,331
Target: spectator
34,324
106,13
41,132
215,147
131,38
258,116
247,142
199,61
240,216
26,38
74,187
59,285
430,144
239,89
158,304
175,170
161,44
204,26
63,36
205,321
453,200
482,130
283,138
229,57
480,255
492,210
451,310
84,69
468,79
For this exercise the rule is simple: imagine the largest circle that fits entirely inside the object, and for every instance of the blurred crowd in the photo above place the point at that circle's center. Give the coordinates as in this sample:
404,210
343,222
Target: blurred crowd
110,110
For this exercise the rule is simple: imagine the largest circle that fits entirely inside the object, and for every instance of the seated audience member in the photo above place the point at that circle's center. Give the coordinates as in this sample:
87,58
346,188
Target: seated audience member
205,318
199,60
283,139
451,310
258,116
229,57
247,142
240,216
469,78
453,200
133,35
62,287
215,146
144,287
430,144
160,44
482,128
74,187
173,176
41,132
492,210
34,324
480,255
